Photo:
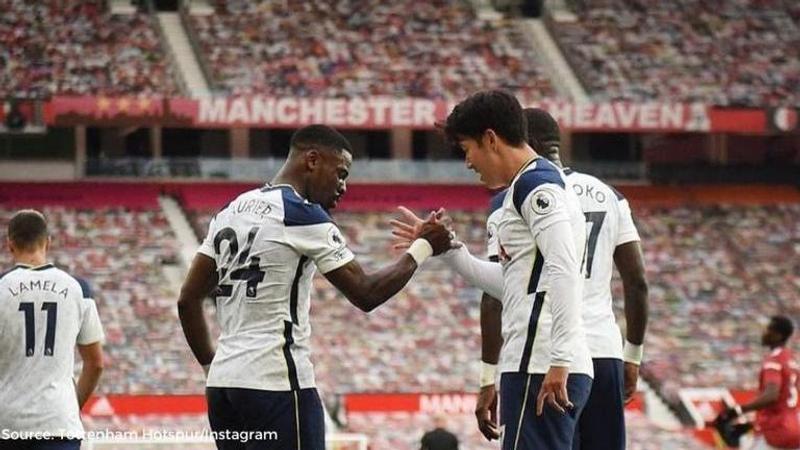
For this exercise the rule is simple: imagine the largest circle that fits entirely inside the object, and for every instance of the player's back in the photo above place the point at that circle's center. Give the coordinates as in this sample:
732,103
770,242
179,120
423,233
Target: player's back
266,244
608,225
43,315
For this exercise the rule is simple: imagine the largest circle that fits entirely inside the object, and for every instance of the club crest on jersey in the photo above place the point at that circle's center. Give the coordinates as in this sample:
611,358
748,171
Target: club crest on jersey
335,239
543,202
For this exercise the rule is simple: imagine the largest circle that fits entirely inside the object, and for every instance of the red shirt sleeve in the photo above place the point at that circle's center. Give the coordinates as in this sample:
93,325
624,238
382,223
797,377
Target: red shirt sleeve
771,372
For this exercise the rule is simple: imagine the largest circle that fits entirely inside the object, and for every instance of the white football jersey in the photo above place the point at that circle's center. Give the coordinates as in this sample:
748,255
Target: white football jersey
541,318
266,244
608,225
43,315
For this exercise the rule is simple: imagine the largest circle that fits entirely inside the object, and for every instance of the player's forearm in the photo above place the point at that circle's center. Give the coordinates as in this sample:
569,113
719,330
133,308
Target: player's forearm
199,283
765,398
636,312
630,263
486,276
195,328
491,329
378,287
562,269
87,382
565,308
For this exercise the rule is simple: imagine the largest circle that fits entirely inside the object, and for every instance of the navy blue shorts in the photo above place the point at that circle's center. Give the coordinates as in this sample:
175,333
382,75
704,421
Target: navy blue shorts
40,444
602,423
523,429
286,420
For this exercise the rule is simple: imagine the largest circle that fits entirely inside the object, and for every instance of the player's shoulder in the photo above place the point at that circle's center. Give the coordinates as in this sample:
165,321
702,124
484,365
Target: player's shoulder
8,274
497,201
539,173
80,285
780,354
298,211
582,181
86,287
223,213
776,358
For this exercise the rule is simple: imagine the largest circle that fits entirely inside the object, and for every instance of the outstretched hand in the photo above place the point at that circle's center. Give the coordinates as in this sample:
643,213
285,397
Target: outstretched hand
410,227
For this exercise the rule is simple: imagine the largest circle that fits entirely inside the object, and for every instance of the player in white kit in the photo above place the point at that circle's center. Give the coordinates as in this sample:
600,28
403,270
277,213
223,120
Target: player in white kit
44,315
545,363
259,260
612,240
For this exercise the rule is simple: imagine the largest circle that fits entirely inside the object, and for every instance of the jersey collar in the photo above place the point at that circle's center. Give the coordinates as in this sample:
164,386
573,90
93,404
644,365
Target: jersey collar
270,186
525,166
29,267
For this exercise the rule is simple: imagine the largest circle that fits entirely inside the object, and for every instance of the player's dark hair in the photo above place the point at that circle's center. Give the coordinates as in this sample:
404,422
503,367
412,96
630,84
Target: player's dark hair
783,325
321,137
27,228
494,109
543,130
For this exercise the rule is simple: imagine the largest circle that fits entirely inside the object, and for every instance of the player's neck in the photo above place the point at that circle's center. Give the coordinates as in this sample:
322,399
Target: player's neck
518,160
287,178
33,259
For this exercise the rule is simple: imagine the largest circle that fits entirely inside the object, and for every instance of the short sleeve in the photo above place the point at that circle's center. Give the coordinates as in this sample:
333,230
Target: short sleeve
323,243
771,371
627,229
207,246
91,330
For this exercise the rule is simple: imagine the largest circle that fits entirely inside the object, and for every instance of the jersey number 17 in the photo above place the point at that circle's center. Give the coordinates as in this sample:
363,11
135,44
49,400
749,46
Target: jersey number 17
594,221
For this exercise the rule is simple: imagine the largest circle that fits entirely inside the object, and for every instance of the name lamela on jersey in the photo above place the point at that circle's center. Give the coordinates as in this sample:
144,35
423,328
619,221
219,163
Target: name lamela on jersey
39,285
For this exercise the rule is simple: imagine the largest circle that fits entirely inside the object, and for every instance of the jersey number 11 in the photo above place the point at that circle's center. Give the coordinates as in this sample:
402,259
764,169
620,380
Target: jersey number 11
30,327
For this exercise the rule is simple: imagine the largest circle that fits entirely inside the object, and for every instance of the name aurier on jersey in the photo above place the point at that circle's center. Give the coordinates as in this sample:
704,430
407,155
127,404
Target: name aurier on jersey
39,285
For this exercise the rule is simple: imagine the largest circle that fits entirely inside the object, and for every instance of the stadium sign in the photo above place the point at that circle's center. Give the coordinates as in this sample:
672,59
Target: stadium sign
629,116
386,113
377,112
450,403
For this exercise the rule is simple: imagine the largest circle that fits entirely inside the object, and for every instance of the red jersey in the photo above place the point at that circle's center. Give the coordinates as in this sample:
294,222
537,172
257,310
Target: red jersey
780,423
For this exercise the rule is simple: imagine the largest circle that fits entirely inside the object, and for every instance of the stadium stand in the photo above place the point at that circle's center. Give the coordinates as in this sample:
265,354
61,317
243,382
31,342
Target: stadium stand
715,272
731,53
364,48
78,47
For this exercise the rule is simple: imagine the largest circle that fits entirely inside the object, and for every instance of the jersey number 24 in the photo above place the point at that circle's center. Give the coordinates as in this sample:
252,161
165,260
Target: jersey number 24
247,271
